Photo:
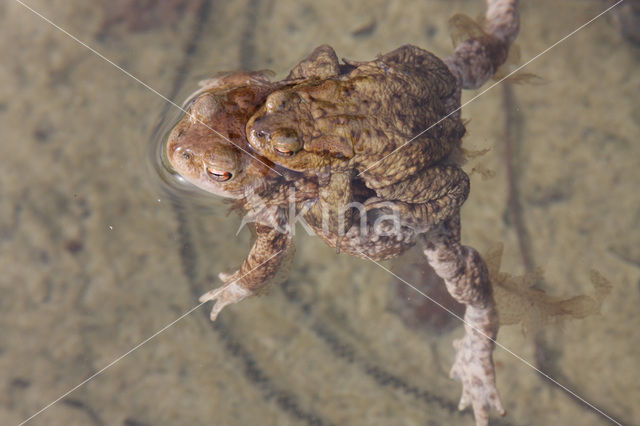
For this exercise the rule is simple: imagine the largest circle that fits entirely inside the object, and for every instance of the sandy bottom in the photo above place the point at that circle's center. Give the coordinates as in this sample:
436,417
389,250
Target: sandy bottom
96,256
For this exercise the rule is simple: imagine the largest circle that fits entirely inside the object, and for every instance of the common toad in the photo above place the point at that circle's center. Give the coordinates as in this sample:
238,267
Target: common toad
394,122
345,120
208,148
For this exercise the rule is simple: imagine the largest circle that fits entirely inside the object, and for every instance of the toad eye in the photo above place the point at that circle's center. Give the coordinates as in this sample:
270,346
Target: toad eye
283,151
286,144
219,175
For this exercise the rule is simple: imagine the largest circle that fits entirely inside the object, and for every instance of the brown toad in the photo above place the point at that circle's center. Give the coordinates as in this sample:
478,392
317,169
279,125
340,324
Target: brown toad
346,120
208,148
394,123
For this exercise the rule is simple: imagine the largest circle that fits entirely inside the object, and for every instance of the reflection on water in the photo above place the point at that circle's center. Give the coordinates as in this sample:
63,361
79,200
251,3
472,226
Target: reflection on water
99,252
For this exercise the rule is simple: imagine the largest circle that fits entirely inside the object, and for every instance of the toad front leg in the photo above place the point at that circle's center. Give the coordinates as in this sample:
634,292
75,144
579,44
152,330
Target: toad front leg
266,263
332,213
467,280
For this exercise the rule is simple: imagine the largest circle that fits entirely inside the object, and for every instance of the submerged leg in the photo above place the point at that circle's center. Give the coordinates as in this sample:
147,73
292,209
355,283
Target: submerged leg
477,59
267,262
467,279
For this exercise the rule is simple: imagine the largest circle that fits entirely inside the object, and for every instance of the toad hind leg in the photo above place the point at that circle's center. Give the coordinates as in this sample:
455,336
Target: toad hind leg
477,59
425,200
467,280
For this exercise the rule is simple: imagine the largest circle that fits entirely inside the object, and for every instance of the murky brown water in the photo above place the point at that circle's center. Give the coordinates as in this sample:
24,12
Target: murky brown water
96,255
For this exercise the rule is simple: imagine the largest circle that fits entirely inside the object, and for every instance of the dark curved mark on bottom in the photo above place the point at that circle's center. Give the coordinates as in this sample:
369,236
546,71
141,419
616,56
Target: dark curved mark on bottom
344,351
284,400
189,260
86,408
381,376
513,123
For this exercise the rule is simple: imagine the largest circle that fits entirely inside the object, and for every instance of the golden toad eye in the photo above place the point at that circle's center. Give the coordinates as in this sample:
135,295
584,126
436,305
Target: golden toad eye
283,151
219,175
286,143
